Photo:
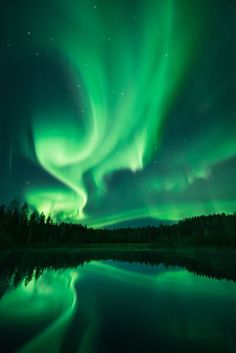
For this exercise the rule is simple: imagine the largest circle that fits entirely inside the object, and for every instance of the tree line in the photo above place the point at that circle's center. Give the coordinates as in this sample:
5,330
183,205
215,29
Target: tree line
21,227
17,266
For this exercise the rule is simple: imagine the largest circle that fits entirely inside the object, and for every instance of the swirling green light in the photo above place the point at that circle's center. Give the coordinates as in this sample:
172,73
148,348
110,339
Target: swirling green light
125,65
103,286
52,296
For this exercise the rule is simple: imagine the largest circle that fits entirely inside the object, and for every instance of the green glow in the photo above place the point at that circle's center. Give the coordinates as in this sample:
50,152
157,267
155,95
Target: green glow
124,74
165,212
52,295
170,280
54,200
86,295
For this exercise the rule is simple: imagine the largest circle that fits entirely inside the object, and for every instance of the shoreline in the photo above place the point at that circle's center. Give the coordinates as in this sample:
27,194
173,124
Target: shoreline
117,247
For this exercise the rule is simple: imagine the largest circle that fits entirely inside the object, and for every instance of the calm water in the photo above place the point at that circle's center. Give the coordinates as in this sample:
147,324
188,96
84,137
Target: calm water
112,306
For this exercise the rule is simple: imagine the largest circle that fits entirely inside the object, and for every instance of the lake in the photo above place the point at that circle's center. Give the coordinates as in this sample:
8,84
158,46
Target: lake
118,301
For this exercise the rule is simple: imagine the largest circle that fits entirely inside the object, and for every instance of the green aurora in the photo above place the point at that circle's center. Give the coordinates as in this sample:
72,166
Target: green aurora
123,112
88,296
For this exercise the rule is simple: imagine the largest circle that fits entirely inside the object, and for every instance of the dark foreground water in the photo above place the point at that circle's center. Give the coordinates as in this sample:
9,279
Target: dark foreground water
116,306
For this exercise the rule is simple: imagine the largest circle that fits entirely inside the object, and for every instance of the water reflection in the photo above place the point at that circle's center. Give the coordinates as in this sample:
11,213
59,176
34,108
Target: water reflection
16,266
75,302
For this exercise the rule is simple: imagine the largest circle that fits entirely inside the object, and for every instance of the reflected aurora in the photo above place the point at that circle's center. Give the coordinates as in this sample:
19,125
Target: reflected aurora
52,297
83,298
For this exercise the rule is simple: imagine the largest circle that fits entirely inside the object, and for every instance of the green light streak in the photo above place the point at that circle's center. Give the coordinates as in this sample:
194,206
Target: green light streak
52,294
124,74
173,212
56,295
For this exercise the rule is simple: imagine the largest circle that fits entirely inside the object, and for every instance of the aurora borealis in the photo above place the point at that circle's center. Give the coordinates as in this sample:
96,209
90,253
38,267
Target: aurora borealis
116,306
118,112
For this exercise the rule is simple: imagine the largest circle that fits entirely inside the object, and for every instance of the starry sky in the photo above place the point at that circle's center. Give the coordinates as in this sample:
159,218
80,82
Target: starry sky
118,112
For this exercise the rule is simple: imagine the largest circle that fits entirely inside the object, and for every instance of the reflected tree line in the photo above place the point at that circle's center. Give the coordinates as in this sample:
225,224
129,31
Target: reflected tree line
20,227
17,266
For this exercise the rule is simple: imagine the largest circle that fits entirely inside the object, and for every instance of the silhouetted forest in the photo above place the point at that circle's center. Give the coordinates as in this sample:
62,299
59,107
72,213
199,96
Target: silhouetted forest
16,266
20,227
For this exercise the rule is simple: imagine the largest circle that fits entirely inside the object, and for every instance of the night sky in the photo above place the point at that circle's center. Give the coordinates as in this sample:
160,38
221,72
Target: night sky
118,112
